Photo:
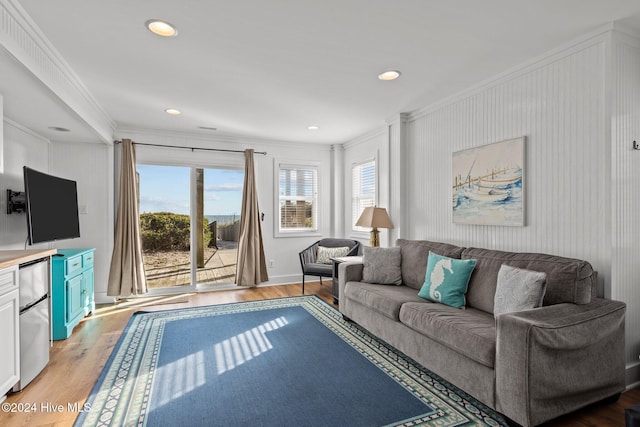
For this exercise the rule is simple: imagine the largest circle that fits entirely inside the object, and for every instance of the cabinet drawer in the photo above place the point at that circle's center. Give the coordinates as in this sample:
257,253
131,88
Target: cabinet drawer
8,280
87,260
72,265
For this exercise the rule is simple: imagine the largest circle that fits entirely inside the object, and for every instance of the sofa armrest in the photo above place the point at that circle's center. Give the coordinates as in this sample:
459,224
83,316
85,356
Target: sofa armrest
555,359
350,271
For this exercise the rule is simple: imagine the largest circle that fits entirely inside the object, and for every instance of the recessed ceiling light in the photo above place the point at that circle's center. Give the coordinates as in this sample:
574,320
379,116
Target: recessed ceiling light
313,127
172,111
59,129
161,28
389,75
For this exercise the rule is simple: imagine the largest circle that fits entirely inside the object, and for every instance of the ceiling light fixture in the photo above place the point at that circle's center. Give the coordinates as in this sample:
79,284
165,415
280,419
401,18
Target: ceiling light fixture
313,127
161,28
59,129
207,128
172,111
389,75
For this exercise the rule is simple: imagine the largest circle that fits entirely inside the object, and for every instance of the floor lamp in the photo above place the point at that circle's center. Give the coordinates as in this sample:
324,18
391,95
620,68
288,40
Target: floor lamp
375,218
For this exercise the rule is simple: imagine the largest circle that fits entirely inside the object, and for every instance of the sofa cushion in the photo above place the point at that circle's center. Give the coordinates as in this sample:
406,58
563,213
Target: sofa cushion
382,266
384,299
469,332
568,280
518,289
414,258
446,280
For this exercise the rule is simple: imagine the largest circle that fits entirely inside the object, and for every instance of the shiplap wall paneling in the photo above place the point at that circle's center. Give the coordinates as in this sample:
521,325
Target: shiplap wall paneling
626,193
558,105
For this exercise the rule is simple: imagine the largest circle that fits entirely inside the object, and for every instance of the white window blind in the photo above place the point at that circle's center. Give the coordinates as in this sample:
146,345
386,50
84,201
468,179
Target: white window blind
298,198
363,190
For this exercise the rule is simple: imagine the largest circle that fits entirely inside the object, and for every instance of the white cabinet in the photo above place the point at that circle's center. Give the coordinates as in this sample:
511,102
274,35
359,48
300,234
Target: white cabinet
9,330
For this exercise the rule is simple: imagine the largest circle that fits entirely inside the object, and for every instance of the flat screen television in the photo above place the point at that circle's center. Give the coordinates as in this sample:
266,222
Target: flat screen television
52,207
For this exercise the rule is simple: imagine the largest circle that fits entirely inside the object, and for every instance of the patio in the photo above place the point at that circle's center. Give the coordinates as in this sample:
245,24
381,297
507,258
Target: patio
166,269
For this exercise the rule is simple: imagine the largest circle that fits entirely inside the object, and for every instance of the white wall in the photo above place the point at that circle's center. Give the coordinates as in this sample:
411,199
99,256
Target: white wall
580,113
91,166
282,250
21,148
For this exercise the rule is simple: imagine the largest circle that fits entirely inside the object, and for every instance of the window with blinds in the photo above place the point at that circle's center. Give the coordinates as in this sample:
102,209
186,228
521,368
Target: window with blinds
363,190
298,198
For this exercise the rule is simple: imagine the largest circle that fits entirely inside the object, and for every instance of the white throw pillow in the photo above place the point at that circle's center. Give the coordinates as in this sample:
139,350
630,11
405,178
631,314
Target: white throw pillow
518,289
325,254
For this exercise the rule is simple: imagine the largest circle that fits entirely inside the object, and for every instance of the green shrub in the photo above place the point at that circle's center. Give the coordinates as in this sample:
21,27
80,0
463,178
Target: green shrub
165,231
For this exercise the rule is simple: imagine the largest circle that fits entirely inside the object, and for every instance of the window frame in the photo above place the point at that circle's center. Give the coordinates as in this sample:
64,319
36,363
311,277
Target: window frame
357,196
280,164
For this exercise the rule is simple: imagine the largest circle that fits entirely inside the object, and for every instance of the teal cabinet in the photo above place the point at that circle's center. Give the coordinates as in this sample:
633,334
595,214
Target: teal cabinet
71,290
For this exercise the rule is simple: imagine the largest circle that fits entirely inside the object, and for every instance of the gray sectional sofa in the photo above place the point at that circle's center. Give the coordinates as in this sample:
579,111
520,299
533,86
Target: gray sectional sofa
532,365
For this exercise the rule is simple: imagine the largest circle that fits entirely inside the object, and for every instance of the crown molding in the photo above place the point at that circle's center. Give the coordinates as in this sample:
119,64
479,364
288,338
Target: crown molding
25,130
366,137
217,137
626,34
400,117
22,39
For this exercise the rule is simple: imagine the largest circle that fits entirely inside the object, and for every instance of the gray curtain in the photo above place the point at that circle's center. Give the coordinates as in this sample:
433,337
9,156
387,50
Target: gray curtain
251,268
126,276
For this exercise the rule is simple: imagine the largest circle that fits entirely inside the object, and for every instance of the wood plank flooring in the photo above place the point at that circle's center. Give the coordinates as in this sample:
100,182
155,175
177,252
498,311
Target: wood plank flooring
77,361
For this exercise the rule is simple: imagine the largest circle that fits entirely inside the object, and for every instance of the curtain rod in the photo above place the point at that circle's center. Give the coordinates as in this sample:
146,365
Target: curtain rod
192,148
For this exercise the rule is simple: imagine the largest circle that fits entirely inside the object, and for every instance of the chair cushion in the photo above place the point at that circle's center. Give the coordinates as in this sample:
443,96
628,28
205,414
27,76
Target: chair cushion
469,332
384,299
315,269
330,242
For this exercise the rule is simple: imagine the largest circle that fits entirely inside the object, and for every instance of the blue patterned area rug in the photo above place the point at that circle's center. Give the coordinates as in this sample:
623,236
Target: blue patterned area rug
282,362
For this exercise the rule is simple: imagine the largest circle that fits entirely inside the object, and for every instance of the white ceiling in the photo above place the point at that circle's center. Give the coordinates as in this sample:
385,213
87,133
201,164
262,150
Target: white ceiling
269,69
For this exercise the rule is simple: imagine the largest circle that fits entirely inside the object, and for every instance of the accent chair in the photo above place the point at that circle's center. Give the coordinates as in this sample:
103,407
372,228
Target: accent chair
315,260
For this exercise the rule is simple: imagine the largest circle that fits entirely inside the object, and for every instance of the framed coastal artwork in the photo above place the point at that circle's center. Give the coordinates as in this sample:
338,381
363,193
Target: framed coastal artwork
488,184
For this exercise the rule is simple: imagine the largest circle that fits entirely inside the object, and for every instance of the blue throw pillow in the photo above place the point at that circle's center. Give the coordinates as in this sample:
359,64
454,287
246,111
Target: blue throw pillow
446,280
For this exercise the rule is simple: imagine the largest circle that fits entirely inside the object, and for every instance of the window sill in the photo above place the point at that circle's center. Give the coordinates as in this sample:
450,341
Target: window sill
285,234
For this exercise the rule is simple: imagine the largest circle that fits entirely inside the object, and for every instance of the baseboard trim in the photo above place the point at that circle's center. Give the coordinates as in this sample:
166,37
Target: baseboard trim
632,386
632,373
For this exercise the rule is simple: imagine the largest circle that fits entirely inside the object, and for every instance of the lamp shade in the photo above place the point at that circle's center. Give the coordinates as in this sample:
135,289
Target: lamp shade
374,217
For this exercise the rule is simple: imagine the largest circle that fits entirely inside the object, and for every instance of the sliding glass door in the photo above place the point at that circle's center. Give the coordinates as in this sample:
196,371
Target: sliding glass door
165,225
189,220
221,206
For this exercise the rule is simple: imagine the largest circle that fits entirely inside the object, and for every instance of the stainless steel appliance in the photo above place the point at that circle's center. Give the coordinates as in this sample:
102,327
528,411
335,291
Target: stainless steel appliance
35,331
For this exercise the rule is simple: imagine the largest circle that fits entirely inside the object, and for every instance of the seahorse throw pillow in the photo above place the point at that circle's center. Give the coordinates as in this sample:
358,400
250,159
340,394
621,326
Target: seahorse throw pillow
446,280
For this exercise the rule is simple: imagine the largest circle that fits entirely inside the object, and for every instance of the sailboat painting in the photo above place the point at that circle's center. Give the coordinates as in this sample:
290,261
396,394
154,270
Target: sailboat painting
488,184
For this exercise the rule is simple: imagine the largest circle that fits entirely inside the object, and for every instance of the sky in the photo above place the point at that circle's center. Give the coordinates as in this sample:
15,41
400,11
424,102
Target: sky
166,189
